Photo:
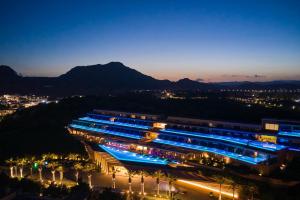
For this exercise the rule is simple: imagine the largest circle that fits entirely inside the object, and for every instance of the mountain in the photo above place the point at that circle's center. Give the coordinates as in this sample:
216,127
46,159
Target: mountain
91,79
190,84
113,76
7,74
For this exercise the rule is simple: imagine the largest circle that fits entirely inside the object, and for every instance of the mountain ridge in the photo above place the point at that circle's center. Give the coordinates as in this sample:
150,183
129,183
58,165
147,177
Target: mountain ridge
114,76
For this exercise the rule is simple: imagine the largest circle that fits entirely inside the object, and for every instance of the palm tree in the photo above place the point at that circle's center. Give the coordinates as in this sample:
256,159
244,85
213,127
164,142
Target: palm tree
74,156
253,189
114,178
77,166
31,160
89,168
40,168
220,180
21,162
234,186
52,166
170,179
50,156
142,183
11,162
61,173
130,174
158,175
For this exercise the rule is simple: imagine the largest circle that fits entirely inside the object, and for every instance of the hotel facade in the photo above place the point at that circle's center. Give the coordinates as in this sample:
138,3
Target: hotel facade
186,143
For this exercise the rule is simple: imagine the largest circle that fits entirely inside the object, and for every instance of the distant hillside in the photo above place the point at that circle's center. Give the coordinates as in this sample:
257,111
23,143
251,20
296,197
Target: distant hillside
113,76
92,79
269,85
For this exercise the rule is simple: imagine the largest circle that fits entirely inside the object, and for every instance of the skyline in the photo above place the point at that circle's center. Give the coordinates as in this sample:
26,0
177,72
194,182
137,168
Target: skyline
201,40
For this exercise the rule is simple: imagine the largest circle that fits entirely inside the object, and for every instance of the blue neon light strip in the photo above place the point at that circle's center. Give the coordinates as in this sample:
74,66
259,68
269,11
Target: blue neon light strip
266,146
291,134
241,141
114,123
105,131
209,136
178,144
119,117
235,156
294,149
257,144
124,155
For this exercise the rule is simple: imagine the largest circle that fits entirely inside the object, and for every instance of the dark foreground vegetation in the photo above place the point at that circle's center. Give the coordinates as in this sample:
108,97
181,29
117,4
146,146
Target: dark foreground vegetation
20,189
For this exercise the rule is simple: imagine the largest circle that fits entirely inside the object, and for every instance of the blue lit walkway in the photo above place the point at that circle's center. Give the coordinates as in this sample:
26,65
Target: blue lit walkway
128,156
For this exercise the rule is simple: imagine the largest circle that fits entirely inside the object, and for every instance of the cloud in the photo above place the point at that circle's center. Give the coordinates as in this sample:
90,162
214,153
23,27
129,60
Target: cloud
243,76
199,79
259,76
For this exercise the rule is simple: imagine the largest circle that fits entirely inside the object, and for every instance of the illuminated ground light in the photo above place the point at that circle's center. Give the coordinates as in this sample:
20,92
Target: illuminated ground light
124,155
199,185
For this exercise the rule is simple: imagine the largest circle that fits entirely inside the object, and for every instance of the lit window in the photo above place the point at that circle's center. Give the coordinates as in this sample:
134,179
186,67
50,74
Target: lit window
272,127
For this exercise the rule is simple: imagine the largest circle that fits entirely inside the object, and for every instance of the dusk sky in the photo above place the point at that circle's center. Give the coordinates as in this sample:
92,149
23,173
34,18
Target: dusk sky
167,39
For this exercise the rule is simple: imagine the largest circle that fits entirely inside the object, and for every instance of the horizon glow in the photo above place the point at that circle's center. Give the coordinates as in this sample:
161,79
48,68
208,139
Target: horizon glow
198,39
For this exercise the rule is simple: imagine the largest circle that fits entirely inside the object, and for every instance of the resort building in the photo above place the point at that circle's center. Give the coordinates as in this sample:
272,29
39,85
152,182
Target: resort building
188,143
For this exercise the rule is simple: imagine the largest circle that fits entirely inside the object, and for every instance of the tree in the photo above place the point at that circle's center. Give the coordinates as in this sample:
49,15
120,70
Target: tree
130,174
74,156
142,173
31,160
89,168
50,156
52,166
158,176
11,162
21,162
253,189
234,186
61,173
220,180
114,178
40,164
170,179
77,166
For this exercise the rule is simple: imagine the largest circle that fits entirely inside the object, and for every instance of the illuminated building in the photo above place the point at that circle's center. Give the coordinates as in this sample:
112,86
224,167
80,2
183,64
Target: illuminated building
175,141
